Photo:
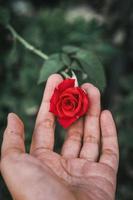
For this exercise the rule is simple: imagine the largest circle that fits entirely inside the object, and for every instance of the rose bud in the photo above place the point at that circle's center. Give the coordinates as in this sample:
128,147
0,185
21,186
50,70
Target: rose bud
68,102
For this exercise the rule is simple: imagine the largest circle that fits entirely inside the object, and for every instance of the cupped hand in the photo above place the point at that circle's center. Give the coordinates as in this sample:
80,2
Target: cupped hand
87,167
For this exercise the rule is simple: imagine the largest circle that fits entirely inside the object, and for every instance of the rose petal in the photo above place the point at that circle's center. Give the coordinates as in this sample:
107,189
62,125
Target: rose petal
59,110
69,112
85,104
79,99
55,96
53,110
67,121
67,83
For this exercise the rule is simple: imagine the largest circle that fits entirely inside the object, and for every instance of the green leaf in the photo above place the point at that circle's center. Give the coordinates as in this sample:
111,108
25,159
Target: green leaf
50,66
70,49
106,49
93,67
65,59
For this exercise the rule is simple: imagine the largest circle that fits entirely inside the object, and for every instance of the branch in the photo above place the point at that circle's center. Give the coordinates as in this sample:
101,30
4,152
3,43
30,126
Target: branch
26,44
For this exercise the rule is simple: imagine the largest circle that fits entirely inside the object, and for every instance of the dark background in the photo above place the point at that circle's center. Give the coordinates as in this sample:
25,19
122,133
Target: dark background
49,25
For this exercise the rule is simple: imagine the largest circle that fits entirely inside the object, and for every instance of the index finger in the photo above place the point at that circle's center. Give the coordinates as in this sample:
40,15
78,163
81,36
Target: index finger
43,136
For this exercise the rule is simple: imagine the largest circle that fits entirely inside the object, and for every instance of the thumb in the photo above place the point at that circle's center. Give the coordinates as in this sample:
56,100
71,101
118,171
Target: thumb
13,139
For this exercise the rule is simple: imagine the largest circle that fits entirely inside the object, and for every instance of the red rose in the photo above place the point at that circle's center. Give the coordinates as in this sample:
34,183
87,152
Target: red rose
68,102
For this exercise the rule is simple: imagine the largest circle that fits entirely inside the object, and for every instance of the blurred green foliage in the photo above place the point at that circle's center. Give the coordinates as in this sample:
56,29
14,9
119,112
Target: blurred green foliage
50,30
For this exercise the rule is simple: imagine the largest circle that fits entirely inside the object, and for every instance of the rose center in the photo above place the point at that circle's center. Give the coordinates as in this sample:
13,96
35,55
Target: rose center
68,104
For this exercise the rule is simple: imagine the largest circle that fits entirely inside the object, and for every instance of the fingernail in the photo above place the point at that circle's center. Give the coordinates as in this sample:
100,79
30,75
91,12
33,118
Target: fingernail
13,121
10,120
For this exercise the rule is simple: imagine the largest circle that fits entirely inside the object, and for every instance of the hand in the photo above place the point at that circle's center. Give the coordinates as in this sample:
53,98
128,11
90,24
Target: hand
87,166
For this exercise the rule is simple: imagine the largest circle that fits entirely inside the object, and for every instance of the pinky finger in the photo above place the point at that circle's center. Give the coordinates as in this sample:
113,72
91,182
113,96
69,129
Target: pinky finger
110,150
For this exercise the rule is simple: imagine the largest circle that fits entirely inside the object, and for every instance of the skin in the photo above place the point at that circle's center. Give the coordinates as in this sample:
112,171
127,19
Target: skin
87,167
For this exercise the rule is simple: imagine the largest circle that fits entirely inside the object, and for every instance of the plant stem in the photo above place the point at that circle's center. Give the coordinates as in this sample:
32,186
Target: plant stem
26,44
65,74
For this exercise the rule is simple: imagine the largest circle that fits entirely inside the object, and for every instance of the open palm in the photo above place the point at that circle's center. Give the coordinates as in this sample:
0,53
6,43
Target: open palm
87,166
